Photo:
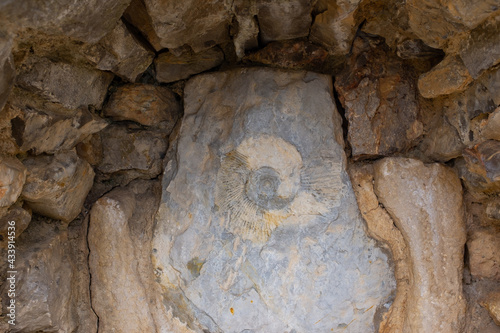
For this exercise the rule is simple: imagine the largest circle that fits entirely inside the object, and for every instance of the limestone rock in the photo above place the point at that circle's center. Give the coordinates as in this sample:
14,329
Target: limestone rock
201,25
87,21
121,54
481,49
70,85
6,68
279,20
124,294
170,68
136,151
12,178
380,98
296,54
492,303
425,202
57,185
45,132
447,77
258,229
146,104
336,27
484,254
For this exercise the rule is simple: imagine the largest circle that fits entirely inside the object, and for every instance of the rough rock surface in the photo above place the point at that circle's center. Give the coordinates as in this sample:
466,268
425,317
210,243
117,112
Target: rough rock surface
124,295
135,151
91,149
491,129
6,67
20,216
447,77
120,53
492,303
70,85
425,202
380,98
484,254
170,67
12,178
56,186
146,104
258,229
483,162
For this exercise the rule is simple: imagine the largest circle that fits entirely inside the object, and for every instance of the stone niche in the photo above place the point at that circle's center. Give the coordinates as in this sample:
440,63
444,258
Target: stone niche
258,228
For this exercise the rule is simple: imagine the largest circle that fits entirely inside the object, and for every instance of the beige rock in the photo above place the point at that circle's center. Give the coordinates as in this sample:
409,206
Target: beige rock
87,21
449,76
121,54
492,304
146,104
170,68
57,185
425,202
12,179
201,25
124,294
70,85
484,254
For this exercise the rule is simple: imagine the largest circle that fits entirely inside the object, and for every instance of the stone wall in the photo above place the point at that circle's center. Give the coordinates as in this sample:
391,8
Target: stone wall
250,166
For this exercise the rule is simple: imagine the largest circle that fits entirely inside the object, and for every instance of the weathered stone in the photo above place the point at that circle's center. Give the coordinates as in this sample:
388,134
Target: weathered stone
146,104
336,27
493,209
287,19
87,21
291,54
137,15
57,185
484,254
6,68
139,152
170,68
21,218
477,291
12,178
425,202
442,142
484,161
70,85
43,132
481,49
380,99
286,249
124,294
121,54
381,227
417,49
201,25
471,13
449,76
44,280
491,129
247,35
11,123
91,149
492,304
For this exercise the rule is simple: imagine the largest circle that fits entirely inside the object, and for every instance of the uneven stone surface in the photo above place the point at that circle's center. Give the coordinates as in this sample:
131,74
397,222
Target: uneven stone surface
449,76
87,21
425,202
91,149
379,96
137,15
484,254
483,161
170,68
10,119
12,178
492,303
124,294
492,127
146,104
21,218
67,84
120,53
56,186
6,67
132,150
258,228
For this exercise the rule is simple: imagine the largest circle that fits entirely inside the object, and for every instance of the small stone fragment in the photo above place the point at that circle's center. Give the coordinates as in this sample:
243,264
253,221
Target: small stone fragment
484,254
484,160
91,149
448,77
492,128
146,104
6,68
57,185
70,85
121,54
12,179
170,68
492,304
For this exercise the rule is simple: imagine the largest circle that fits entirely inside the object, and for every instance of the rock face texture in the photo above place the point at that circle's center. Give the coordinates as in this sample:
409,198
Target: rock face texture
425,202
258,228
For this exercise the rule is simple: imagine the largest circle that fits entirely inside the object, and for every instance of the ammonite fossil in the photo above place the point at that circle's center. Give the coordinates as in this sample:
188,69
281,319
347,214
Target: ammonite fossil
258,183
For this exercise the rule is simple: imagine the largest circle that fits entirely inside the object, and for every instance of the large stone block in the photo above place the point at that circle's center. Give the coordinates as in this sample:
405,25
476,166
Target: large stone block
425,202
258,229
